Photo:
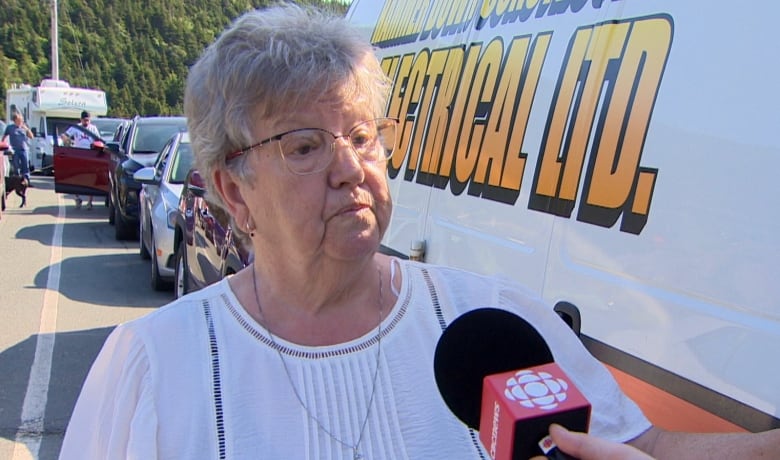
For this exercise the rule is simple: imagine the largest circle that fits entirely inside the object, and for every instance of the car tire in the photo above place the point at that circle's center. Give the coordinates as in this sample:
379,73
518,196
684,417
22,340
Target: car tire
143,251
181,281
158,282
111,216
122,230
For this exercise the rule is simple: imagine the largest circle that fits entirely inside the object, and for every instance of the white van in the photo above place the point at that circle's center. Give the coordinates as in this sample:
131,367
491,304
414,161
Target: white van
617,155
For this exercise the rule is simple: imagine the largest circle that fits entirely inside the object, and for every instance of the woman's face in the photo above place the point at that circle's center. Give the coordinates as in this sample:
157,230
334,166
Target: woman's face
338,213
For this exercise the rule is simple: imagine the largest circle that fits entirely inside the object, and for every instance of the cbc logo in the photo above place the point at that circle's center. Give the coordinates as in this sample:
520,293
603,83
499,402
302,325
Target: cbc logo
536,389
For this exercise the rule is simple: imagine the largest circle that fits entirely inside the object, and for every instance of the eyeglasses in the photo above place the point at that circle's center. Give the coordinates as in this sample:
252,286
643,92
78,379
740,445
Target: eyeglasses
311,150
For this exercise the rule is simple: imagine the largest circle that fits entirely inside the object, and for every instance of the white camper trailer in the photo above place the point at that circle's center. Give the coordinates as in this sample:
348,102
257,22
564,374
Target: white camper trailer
617,155
48,110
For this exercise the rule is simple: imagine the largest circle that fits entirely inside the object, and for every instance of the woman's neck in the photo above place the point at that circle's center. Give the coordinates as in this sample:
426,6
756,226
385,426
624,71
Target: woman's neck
319,306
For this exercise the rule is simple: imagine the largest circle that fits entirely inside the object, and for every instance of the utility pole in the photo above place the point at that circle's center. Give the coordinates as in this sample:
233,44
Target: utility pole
55,52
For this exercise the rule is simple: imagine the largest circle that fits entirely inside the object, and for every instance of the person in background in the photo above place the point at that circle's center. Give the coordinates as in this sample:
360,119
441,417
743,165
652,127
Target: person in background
75,137
18,135
323,346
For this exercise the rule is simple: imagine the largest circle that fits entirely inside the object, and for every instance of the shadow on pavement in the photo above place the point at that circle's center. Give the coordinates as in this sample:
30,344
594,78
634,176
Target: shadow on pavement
102,235
103,280
72,357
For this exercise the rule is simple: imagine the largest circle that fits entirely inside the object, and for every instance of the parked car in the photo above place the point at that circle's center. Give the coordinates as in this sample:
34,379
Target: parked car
159,206
139,147
108,127
207,250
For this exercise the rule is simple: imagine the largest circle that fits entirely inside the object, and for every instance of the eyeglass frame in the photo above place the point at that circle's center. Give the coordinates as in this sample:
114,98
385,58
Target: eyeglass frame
277,137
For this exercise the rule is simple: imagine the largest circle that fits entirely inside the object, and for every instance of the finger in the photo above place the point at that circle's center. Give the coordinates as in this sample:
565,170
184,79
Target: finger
568,441
587,447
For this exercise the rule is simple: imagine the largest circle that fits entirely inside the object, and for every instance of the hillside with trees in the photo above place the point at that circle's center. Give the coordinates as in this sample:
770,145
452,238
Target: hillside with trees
138,52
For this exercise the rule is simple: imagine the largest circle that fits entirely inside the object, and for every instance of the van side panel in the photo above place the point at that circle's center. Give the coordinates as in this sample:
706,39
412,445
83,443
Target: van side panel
620,155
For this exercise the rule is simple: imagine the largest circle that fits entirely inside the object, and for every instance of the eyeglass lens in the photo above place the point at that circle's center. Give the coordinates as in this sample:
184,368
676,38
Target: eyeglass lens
311,150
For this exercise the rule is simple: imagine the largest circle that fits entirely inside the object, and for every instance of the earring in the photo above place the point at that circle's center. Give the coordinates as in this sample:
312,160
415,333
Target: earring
249,230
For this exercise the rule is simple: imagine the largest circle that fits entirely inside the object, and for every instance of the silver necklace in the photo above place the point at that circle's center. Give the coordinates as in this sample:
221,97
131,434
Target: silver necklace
356,455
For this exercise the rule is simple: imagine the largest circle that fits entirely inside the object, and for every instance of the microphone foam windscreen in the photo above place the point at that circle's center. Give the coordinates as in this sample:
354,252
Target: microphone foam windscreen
478,343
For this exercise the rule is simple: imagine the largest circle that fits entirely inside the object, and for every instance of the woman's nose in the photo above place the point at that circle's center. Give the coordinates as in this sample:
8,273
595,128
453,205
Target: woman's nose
347,166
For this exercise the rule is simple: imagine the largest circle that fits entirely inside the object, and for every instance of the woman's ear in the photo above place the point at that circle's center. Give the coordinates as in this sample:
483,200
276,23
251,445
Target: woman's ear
229,190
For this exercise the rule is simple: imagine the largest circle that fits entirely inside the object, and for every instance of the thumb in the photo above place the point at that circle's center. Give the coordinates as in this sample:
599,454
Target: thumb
567,441
586,447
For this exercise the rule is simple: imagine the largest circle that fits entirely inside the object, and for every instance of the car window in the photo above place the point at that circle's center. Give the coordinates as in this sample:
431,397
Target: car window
81,137
163,158
182,163
120,131
150,138
106,126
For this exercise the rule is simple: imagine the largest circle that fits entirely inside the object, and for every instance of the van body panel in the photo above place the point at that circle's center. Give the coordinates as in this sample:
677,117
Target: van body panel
620,155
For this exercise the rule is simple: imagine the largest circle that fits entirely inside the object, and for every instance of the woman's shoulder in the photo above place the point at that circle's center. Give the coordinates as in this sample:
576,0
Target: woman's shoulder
466,290
184,311
454,276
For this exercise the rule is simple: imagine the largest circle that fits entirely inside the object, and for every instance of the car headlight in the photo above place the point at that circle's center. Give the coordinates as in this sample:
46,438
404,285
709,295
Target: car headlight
171,204
172,218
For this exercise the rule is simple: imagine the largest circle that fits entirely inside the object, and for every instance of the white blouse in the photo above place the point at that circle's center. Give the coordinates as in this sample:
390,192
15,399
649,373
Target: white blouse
200,379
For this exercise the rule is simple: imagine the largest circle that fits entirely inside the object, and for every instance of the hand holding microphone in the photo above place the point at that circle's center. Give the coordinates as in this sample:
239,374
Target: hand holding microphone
587,447
497,375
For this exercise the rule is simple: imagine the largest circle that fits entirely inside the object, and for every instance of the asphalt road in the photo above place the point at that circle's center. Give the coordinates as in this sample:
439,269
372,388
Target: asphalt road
65,282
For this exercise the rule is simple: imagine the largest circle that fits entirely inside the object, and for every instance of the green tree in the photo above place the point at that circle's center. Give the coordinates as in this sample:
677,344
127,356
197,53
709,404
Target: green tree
137,52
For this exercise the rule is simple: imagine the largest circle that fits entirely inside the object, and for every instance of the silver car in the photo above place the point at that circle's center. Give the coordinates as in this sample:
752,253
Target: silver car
159,204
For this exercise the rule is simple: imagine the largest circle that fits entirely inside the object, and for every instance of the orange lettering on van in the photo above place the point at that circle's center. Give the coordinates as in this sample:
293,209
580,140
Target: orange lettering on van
471,133
548,168
604,101
620,150
514,165
445,68
606,45
415,111
508,115
617,184
457,111
397,108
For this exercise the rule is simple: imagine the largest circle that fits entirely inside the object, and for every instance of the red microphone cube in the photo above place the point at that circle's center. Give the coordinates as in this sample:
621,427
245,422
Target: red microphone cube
518,408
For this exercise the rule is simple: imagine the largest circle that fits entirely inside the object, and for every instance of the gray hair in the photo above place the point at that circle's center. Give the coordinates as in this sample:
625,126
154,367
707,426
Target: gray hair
269,63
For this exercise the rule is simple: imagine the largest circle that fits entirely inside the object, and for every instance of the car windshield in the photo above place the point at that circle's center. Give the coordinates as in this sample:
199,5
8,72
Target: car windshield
151,138
181,164
106,126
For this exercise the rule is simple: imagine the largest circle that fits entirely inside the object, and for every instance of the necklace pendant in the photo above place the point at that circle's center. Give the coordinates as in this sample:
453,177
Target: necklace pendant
356,455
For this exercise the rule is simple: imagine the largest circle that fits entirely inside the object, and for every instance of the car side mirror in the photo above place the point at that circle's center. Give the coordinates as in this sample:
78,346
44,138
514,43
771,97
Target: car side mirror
196,185
112,147
146,175
98,145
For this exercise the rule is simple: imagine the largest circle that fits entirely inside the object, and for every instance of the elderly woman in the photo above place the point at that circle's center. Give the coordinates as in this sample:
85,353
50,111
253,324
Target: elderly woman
322,348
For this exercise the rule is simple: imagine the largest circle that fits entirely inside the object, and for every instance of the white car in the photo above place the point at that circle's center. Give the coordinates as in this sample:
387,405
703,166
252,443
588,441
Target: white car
159,205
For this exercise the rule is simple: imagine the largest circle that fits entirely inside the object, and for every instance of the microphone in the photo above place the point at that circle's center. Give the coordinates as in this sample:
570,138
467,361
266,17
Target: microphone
496,373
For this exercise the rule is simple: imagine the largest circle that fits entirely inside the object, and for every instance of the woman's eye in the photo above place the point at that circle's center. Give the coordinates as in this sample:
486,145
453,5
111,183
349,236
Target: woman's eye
302,150
301,145
362,139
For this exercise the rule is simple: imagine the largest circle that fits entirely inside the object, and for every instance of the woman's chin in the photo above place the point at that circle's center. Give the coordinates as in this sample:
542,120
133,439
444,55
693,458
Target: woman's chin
353,247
